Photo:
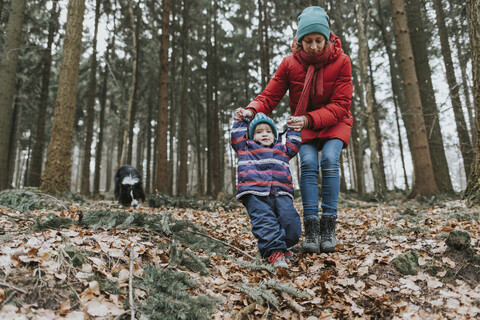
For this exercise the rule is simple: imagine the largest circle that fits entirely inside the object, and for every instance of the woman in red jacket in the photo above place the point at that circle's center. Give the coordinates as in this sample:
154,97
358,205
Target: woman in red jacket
318,77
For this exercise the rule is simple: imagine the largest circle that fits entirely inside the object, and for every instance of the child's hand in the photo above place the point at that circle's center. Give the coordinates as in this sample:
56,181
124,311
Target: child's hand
297,123
241,113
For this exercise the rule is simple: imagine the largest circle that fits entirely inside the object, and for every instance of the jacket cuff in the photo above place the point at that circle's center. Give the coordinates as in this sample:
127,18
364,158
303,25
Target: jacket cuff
311,123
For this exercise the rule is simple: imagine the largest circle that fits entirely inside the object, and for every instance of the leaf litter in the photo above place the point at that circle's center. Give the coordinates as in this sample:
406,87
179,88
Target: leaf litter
73,261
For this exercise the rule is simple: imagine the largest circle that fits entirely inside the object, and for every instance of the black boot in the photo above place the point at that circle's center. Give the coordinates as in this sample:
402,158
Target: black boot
327,232
312,235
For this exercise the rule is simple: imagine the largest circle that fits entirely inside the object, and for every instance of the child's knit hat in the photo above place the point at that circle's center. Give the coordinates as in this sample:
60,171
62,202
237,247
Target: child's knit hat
313,19
261,118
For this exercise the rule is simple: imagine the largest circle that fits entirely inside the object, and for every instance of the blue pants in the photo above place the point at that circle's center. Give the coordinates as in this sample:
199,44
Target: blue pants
275,222
330,165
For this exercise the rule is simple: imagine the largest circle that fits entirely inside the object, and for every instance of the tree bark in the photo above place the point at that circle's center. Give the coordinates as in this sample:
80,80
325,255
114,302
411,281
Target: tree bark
460,30
419,40
85,182
473,17
101,123
184,109
162,154
8,69
56,178
357,139
425,183
379,185
129,119
215,129
398,95
466,147
35,174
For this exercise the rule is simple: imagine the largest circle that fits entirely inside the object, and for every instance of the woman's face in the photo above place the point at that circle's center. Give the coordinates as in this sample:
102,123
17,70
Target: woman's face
313,43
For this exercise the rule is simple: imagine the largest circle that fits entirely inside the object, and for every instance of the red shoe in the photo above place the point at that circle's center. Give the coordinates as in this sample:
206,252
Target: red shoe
288,255
277,259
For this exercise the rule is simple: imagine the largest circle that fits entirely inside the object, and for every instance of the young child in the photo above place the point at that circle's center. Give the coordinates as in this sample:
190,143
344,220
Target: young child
265,184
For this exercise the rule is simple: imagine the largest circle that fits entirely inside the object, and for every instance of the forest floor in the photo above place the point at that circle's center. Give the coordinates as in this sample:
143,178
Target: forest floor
82,259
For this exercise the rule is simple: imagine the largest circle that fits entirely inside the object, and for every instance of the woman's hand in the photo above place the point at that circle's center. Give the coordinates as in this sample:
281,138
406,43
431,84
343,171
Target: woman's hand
297,123
241,113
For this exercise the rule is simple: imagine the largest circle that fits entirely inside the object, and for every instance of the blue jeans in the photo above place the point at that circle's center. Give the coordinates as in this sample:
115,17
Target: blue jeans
275,222
330,165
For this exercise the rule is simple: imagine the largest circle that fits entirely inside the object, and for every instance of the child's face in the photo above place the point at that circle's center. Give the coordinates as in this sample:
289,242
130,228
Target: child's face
264,134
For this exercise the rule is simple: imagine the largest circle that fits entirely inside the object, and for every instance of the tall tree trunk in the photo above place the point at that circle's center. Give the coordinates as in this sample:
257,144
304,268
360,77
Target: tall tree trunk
263,42
215,129
398,93
460,30
209,100
357,139
8,74
376,119
56,178
400,146
173,115
85,182
101,123
466,147
161,183
129,119
14,153
184,109
35,173
148,180
423,170
419,41
379,185
473,18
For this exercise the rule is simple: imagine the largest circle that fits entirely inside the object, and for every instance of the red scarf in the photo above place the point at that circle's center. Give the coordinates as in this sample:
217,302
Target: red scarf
313,85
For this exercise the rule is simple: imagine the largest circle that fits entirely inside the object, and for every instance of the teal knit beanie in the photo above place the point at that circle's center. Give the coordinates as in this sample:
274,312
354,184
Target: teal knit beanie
313,19
261,118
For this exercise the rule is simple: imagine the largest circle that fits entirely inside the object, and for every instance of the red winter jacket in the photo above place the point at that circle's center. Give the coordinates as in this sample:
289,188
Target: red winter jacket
329,114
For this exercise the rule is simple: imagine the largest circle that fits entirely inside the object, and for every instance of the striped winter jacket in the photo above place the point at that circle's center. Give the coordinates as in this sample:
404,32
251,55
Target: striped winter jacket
263,171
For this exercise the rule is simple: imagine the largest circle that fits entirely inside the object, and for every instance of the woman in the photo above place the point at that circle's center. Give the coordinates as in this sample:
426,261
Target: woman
318,77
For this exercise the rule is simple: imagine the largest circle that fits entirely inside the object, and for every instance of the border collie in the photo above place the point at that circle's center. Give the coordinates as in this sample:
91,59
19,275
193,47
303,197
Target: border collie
128,186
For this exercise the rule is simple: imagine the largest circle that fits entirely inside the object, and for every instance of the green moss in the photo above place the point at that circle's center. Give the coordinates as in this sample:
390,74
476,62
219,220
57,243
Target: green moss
458,240
407,263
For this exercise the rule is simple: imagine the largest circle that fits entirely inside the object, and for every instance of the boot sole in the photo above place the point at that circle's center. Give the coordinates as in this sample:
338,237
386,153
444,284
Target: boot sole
311,249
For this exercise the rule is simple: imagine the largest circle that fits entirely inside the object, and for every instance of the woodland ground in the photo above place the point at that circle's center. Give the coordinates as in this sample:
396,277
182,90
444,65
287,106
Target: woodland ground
77,259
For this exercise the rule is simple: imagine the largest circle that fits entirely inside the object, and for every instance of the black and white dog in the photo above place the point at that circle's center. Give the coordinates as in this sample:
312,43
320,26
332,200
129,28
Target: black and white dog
128,186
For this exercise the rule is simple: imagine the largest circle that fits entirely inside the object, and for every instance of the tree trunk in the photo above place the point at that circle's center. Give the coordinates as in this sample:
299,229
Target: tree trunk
161,183
459,30
215,129
357,138
56,178
473,18
209,102
85,182
184,109
463,136
149,178
425,184
263,42
378,131
101,124
35,173
379,185
14,153
8,69
398,93
129,119
172,119
419,41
